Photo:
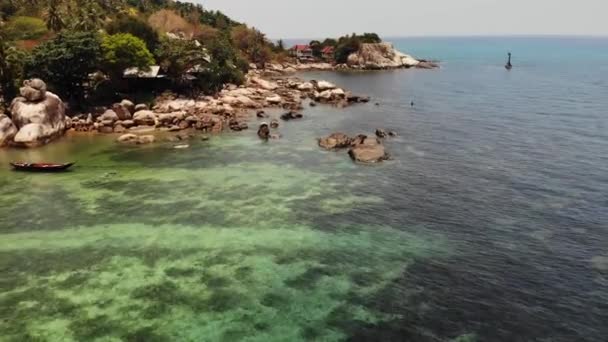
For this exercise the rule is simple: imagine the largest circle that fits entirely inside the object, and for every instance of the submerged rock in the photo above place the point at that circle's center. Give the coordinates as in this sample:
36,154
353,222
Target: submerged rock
264,131
291,116
136,139
368,150
380,133
335,140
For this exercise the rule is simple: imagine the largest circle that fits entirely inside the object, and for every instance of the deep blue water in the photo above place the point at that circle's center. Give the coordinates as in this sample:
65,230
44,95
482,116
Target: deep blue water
513,168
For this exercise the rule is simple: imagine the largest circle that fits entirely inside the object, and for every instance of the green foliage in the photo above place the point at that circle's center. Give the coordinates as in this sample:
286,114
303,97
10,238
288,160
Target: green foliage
316,47
11,68
54,17
122,51
370,38
89,16
136,27
349,44
65,62
225,67
22,28
177,56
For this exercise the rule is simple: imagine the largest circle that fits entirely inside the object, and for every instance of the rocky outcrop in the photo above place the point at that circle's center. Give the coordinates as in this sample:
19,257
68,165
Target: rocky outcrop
335,140
382,56
368,150
38,114
363,149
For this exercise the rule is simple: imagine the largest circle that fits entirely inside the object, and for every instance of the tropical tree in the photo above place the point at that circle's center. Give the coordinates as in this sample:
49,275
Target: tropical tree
226,66
89,16
122,51
66,62
177,57
11,68
54,17
136,27
317,48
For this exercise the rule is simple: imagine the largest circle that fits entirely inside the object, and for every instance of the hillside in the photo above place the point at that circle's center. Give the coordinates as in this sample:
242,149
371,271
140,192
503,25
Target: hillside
39,38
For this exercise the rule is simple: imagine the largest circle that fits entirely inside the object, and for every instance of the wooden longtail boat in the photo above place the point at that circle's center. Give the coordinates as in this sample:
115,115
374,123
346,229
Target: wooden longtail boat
41,167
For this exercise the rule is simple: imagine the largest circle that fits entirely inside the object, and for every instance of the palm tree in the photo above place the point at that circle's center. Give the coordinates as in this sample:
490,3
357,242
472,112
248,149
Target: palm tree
54,21
89,18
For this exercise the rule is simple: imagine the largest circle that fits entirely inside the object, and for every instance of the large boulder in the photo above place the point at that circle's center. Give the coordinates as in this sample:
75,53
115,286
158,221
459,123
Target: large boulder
335,140
144,118
40,120
306,86
368,150
141,106
324,85
123,112
262,83
109,115
128,105
33,90
8,130
274,99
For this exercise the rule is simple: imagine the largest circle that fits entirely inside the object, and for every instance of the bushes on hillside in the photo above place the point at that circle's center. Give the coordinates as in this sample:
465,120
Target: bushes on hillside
169,21
136,27
252,44
22,28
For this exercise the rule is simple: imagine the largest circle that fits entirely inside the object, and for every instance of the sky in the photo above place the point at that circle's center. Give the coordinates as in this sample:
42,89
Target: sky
396,18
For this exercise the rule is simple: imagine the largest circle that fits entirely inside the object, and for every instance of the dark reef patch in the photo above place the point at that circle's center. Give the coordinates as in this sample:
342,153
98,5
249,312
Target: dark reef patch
309,278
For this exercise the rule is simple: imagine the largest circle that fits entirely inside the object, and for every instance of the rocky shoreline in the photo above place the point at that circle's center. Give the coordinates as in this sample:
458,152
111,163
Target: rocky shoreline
230,109
38,116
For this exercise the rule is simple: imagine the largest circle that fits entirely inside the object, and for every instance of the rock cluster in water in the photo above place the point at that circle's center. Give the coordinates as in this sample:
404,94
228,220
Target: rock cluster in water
362,148
37,117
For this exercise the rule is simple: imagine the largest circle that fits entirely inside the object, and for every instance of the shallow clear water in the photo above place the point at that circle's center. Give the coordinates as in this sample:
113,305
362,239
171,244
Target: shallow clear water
489,224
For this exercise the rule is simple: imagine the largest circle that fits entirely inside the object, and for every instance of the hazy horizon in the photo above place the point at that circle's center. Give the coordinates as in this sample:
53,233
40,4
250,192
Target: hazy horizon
405,18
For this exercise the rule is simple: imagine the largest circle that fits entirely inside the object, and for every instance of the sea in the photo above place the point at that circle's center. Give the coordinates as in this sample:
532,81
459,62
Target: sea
488,223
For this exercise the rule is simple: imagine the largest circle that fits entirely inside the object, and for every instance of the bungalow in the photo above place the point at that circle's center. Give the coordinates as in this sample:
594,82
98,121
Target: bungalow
328,53
301,52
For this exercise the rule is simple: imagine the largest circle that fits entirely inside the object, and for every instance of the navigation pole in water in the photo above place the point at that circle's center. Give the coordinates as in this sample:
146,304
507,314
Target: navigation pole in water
509,66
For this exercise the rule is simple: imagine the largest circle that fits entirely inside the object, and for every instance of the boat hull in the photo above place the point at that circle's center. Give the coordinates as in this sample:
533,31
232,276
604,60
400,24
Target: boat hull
41,167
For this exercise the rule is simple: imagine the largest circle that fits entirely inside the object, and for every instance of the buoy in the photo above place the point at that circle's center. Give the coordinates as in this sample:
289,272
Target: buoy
509,66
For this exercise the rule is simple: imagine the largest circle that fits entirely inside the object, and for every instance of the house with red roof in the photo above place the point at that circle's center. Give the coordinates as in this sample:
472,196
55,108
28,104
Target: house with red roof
328,53
303,52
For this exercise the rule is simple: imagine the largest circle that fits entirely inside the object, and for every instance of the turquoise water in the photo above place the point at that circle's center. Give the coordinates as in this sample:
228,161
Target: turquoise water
489,224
